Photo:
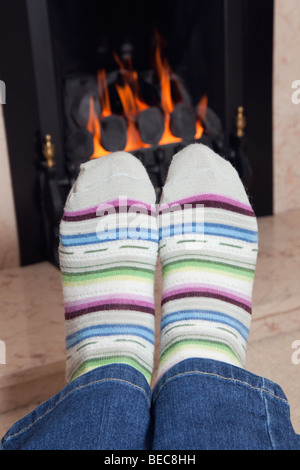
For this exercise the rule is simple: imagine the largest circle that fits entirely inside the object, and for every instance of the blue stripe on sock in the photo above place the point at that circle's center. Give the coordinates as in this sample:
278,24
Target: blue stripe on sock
208,315
109,330
218,230
110,235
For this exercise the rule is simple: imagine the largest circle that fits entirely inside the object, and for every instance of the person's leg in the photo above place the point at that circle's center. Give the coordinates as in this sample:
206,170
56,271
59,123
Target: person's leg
108,251
204,404
107,408
204,398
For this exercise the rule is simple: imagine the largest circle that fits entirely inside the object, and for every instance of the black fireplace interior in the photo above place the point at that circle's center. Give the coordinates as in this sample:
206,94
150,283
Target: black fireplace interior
88,77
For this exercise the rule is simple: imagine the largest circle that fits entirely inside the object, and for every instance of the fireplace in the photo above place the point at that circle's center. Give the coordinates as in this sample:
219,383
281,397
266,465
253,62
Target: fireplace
86,78
119,107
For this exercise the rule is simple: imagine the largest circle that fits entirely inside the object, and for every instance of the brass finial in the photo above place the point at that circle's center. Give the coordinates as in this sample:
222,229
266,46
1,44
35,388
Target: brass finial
49,151
240,122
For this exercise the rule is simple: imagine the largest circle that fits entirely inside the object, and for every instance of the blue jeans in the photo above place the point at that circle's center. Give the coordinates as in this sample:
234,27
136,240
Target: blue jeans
198,404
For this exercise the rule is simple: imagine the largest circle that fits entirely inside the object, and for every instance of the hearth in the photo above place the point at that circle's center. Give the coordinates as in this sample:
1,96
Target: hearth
92,77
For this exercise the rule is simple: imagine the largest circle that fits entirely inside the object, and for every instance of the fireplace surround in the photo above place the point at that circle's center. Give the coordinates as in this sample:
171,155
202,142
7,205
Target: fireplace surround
219,57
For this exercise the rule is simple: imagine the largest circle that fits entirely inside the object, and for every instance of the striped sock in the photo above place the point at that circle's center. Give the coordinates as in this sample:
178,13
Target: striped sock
208,249
108,251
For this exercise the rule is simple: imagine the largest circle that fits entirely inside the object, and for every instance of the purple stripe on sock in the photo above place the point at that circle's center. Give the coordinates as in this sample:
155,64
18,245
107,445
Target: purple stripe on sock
107,307
215,200
210,204
116,204
210,293
115,299
207,288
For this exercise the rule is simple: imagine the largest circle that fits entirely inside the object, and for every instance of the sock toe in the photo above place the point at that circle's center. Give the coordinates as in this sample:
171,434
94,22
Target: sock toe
199,170
109,177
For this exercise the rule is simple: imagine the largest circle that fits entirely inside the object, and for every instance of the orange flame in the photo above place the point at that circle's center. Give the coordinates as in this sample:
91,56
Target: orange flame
130,78
130,109
129,94
94,128
104,94
201,113
141,106
199,130
164,73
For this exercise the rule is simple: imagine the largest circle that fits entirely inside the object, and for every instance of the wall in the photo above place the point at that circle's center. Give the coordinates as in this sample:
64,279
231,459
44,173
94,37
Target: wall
9,250
286,137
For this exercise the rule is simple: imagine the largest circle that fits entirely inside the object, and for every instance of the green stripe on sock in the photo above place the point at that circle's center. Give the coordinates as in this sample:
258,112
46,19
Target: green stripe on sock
211,258
109,272
202,343
231,246
98,362
136,247
208,265
95,251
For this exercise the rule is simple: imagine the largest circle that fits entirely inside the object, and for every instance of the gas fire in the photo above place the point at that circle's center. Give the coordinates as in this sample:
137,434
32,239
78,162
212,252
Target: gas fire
133,104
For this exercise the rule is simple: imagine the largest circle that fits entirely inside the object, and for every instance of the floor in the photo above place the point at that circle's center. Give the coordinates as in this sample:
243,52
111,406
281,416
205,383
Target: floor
32,327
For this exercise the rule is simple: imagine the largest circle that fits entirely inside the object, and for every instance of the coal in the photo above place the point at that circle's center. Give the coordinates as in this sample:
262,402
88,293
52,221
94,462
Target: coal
183,122
80,145
113,133
212,123
80,110
151,125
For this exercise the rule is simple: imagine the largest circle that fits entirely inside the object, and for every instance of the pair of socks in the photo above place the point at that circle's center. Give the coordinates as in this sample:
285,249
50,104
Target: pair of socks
205,234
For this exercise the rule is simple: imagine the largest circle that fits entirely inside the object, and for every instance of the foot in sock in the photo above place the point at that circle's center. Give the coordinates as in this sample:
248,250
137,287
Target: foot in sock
108,254
208,249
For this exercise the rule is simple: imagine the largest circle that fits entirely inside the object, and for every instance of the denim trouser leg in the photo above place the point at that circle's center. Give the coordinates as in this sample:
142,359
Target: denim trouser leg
105,409
205,404
198,404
